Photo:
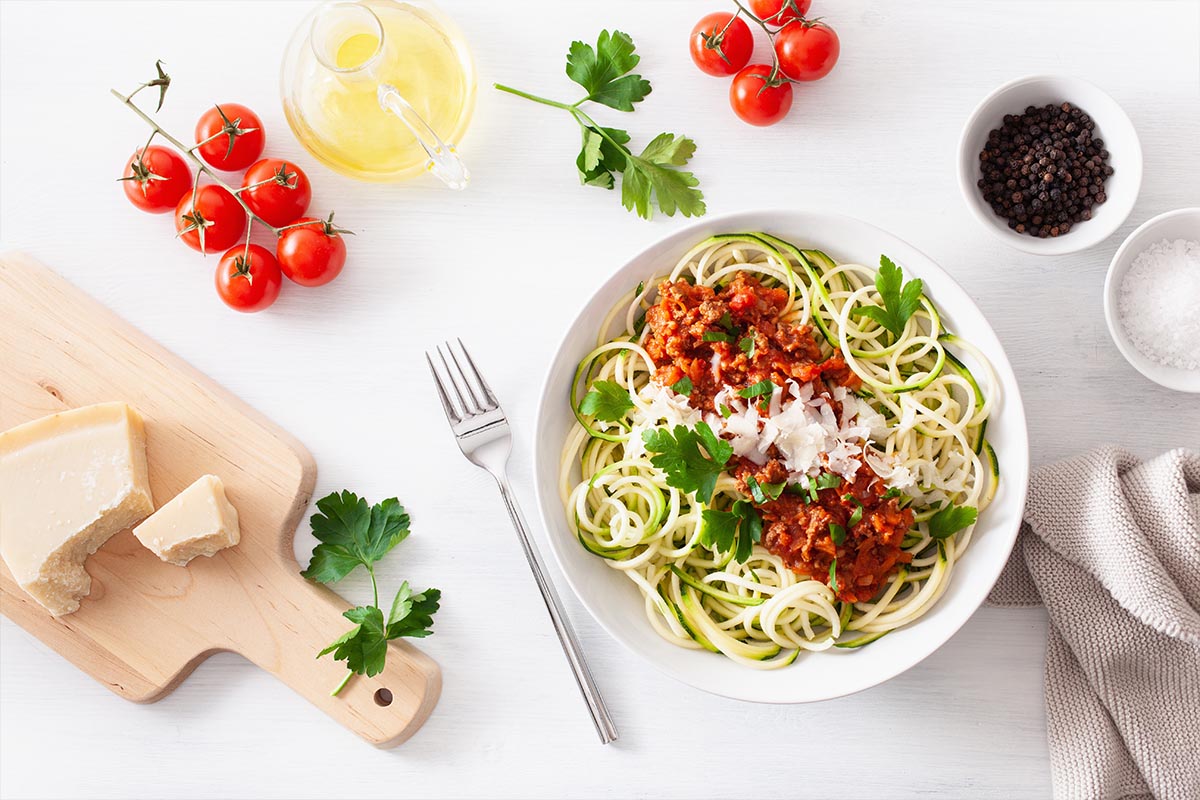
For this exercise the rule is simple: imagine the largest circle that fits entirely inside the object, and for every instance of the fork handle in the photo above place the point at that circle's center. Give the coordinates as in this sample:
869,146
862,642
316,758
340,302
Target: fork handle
562,626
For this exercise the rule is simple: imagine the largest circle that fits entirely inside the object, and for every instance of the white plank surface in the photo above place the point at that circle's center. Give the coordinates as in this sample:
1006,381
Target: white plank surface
505,265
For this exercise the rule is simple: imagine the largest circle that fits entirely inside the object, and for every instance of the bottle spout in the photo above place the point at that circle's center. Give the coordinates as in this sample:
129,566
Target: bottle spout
444,161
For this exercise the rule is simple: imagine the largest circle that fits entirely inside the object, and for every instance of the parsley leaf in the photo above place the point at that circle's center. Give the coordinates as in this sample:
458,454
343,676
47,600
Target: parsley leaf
653,172
363,647
607,401
833,584
837,533
602,71
683,386
737,529
757,390
746,345
681,458
600,157
715,336
892,492
857,516
900,300
653,177
951,520
351,533
764,492
828,480
412,614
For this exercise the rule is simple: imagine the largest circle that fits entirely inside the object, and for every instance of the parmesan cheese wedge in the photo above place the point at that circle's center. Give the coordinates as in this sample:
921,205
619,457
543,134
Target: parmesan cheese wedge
198,521
68,482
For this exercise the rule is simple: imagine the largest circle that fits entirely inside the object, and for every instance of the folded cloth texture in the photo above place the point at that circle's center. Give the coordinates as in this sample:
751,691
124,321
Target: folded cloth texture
1111,547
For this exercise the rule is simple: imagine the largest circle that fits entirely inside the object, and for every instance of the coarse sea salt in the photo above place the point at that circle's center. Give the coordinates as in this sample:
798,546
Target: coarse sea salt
1159,304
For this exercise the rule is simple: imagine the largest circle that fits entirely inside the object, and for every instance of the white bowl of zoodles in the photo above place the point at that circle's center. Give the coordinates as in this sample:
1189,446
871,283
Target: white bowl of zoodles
1050,164
897,444
1152,299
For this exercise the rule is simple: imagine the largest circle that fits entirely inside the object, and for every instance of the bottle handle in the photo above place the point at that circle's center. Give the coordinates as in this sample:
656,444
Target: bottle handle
444,161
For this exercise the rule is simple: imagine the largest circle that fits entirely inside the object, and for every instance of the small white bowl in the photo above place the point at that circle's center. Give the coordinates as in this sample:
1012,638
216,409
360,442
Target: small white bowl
1181,224
1112,125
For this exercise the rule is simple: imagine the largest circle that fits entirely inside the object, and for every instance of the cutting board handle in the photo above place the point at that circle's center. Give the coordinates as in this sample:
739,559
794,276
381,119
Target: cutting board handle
300,621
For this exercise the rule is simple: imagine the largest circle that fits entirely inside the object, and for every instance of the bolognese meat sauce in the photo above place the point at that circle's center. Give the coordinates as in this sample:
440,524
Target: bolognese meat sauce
734,336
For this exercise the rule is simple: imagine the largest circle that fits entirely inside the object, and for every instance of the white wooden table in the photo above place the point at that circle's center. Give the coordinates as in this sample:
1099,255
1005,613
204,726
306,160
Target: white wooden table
505,265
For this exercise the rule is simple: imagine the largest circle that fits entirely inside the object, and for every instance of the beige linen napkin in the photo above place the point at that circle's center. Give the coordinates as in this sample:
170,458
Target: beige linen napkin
1111,547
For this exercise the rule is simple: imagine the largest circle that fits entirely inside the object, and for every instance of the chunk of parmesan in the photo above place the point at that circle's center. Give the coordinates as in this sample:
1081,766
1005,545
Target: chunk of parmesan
68,482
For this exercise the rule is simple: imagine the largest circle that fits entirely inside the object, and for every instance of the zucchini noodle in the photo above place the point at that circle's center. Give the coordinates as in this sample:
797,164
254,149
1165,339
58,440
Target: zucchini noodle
761,613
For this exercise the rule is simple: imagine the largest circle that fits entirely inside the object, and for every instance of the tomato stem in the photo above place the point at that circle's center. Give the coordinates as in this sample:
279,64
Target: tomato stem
201,167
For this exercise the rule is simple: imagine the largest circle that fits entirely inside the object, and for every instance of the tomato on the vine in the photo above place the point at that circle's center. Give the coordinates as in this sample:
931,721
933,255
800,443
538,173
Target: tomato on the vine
759,97
155,178
721,44
248,278
278,191
807,50
232,137
779,12
311,251
211,220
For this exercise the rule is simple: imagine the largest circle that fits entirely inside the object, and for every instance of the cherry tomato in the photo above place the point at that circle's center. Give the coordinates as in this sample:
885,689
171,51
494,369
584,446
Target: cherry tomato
232,135
807,50
757,99
155,178
215,221
779,12
248,278
720,50
313,253
278,191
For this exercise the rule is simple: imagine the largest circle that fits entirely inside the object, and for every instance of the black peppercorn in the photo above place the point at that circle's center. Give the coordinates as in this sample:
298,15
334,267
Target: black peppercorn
1046,161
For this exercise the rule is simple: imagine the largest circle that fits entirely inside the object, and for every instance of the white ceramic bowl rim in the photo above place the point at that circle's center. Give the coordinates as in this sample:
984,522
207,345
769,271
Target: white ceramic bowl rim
1112,124
1146,234
614,602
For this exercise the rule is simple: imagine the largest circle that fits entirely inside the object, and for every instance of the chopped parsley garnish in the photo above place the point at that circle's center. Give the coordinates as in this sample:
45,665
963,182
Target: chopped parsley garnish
715,336
764,492
893,492
951,520
726,322
607,401
351,533
900,300
682,386
757,390
857,516
833,576
837,533
827,480
747,345
726,411
737,529
681,454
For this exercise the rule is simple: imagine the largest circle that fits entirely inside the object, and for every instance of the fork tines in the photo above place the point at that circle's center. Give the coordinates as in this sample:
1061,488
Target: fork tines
464,392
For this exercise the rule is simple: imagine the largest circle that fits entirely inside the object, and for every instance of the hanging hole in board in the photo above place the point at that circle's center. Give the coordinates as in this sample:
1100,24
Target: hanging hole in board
383,697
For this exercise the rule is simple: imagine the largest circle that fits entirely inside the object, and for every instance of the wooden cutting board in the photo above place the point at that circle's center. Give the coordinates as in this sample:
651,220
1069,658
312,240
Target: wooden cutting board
147,624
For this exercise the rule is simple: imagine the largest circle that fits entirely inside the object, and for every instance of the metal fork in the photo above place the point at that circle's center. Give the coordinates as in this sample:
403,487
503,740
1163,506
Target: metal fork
483,435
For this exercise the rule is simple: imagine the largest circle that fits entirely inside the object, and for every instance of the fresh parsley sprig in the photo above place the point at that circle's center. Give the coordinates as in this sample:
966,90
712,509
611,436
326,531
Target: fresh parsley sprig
654,175
900,299
692,458
607,401
738,529
951,520
351,534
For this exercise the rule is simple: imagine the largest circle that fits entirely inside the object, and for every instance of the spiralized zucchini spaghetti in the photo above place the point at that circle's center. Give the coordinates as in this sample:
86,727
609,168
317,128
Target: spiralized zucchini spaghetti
781,452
